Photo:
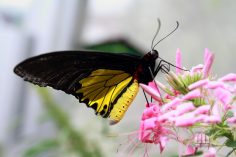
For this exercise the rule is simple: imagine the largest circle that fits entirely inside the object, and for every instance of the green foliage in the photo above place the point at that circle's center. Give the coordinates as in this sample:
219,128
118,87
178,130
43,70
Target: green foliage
44,146
219,130
198,153
70,139
230,143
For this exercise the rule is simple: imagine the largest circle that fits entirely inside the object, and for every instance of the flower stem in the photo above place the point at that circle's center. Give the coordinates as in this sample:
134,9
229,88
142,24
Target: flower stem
230,152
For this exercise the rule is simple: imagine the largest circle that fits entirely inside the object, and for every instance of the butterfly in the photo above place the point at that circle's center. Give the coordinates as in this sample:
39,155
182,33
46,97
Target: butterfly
106,82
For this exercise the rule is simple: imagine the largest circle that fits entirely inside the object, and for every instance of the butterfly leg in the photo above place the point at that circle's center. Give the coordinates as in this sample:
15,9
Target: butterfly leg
153,78
163,65
146,97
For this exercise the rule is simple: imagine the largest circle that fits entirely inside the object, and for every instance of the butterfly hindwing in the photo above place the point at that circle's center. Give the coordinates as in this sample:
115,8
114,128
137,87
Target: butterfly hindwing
101,89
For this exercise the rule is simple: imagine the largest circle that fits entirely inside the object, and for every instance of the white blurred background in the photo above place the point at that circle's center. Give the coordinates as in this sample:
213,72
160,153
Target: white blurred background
31,27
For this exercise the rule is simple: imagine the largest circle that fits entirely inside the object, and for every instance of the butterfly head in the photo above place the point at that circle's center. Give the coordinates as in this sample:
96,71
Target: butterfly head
154,54
151,56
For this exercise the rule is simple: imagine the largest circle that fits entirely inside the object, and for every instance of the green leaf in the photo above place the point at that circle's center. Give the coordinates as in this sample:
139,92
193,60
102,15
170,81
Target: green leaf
198,153
231,143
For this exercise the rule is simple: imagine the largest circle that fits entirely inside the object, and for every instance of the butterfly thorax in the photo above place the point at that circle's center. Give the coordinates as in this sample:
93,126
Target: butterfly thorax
145,70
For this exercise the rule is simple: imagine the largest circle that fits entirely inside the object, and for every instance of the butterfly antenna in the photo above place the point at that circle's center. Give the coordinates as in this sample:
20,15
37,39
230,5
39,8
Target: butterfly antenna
157,31
177,26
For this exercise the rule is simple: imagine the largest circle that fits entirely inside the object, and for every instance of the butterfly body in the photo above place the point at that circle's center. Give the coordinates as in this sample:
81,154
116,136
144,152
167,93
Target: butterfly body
105,82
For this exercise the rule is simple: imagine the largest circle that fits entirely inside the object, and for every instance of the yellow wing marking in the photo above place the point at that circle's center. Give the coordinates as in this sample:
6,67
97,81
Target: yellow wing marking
101,88
123,103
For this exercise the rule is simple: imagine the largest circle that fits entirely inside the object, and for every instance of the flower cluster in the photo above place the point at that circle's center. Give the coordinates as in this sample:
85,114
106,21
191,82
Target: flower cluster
195,102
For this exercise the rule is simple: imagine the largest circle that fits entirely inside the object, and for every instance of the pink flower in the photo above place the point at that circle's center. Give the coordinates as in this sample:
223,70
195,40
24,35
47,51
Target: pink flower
152,130
193,101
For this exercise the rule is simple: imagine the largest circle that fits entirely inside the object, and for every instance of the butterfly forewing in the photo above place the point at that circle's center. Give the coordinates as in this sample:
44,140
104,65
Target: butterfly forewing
96,78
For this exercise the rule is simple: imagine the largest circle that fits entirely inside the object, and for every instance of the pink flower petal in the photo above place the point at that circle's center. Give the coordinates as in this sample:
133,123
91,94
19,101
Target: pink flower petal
190,150
232,120
206,54
211,153
200,118
208,63
216,110
183,108
149,123
150,112
223,95
144,135
171,105
202,109
178,61
185,120
212,119
163,141
155,95
198,84
153,85
197,68
166,116
191,95
229,78
214,85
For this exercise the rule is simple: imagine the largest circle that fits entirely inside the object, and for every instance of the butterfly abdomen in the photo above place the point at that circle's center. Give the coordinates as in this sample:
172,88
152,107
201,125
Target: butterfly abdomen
123,103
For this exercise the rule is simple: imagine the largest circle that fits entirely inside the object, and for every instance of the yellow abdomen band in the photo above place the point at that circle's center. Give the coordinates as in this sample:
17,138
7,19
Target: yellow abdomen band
123,103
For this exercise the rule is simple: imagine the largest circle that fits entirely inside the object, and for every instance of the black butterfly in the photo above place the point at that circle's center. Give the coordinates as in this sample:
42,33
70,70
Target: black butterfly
103,81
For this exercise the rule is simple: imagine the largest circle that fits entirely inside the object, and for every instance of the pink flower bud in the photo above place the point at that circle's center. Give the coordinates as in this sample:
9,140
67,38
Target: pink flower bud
202,109
198,84
171,105
223,95
183,108
178,61
191,95
166,116
208,60
214,85
185,120
151,91
229,78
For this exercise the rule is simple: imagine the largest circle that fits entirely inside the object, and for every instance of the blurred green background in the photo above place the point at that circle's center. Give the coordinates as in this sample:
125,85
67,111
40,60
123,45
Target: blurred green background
43,122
